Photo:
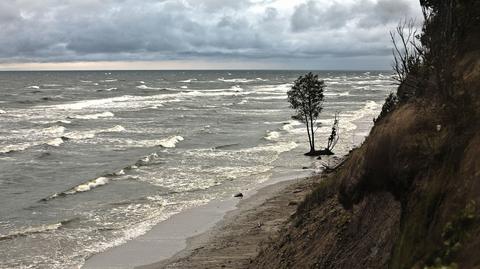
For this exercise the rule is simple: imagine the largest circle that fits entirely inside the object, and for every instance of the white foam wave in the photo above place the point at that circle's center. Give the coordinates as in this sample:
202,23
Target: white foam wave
145,87
337,93
277,147
119,173
16,148
89,185
184,87
272,135
55,142
3,111
116,128
276,97
55,130
370,110
31,230
146,160
80,135
289,126
188,80
33,87
236,80
169,142
52,85
106,114
273,89
133,102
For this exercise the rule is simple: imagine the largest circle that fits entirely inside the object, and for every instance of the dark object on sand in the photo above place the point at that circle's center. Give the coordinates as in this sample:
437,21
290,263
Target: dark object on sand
238,195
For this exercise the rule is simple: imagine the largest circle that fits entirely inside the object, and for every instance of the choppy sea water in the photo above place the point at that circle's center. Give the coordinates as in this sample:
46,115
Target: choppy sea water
89,160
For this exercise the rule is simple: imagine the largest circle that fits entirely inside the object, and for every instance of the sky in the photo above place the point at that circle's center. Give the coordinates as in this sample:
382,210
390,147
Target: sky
199,34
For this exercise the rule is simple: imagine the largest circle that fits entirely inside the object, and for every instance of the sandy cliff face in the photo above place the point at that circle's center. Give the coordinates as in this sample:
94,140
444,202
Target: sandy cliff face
409,197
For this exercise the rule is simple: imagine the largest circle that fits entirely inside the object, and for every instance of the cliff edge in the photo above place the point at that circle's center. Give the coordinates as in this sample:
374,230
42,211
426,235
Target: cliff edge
409,197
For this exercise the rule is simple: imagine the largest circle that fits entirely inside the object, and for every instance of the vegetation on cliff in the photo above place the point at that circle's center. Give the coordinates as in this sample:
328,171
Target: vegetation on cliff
409,196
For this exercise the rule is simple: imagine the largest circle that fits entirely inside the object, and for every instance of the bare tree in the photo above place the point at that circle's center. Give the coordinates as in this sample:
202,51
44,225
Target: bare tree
407,50
334,136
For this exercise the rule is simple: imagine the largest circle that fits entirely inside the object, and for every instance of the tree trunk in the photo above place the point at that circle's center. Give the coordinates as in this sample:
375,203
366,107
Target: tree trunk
312,147
308,132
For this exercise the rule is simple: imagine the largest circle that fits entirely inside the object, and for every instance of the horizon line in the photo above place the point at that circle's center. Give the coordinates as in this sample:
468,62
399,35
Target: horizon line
193,69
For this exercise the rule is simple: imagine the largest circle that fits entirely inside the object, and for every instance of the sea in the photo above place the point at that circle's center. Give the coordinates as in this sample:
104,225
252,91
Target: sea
91,159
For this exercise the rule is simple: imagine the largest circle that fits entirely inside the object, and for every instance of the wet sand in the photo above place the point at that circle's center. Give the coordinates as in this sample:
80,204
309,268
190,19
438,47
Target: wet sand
237,239
207,231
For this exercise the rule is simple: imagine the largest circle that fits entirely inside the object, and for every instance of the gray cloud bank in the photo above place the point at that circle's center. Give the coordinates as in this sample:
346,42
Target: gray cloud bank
149,30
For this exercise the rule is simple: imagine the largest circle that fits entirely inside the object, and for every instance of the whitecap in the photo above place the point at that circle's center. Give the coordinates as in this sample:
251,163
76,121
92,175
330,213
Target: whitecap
117,128
55,142
3,111
145,87
289,126
88,185
106,114
277,147
31,230
236,80
261,98
346,93
188,80
33,87
55,130
272,135
16,148
184,87
170,142
119,173
80,135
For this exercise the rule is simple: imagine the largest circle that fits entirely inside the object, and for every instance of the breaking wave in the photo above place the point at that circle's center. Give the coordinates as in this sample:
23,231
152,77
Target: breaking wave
107,114
33,230
86,186
145,87
188,80
91,134
272,135
169,142
236,80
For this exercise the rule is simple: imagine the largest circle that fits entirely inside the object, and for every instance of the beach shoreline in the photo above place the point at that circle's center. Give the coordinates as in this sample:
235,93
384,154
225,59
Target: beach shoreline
181,234
235,241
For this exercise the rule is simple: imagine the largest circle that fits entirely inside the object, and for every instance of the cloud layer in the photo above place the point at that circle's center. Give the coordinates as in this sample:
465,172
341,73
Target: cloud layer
277,31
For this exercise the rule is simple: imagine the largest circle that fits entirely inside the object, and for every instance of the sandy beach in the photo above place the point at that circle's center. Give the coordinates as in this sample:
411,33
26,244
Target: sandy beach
237,239
225,232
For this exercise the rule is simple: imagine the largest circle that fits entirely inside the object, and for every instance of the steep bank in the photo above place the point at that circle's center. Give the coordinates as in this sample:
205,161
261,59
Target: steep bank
409,197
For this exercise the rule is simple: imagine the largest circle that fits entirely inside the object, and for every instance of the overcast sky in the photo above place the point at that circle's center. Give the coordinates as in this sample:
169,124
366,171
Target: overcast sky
199,34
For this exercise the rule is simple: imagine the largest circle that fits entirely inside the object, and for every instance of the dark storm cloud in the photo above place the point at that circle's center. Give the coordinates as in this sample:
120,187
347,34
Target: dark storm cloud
91,30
